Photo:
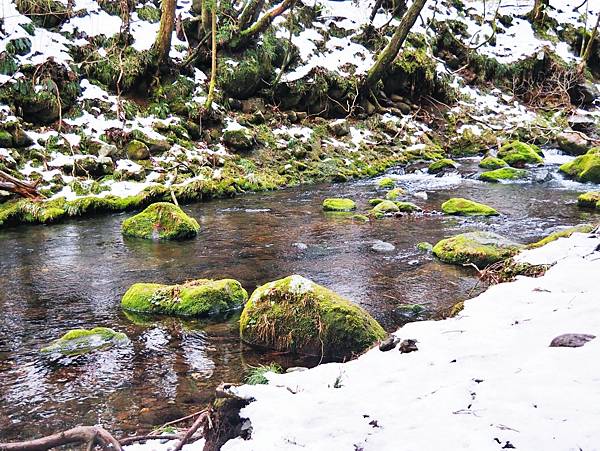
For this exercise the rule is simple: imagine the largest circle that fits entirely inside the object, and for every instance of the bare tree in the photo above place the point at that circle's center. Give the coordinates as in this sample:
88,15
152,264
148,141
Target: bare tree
162,45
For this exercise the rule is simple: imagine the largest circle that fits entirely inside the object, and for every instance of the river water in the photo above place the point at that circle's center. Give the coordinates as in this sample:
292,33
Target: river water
70,275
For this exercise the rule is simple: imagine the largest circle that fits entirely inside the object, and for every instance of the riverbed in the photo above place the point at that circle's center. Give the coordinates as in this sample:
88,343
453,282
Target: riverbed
70,275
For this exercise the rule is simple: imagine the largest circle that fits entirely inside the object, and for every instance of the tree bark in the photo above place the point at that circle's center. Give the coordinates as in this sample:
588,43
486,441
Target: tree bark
389,53
20,187
205,17
82,434
585,55
162,45
250,13
537,13
213,66
261,24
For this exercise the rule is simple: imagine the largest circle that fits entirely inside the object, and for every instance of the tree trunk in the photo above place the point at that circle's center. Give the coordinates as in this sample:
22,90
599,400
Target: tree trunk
213,66
162,45
585,55
206,17
250,13
261,25
537,13
389,53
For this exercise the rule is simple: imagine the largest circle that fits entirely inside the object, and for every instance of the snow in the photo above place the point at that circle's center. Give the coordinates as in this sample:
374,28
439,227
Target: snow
483,380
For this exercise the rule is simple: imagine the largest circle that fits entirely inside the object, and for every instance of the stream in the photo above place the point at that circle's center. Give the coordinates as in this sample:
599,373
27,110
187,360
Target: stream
72,275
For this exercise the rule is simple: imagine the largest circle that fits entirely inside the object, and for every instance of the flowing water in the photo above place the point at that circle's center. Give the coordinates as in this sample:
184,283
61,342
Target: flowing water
74,274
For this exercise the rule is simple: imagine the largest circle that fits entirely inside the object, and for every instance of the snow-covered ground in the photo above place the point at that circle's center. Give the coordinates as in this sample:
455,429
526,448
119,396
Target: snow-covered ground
483,380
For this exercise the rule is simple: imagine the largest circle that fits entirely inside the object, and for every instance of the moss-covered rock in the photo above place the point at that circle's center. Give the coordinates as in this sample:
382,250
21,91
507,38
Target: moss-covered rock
360,218
480,248
6,139
374,202
491,163
395,194
45,13
339,204
82,341
137,150
424,246
238,137
161,221
503,174
201,297
386,183
295,314
517,154
465,207
383,208
566,233
589,200
585,168
441,165
407,207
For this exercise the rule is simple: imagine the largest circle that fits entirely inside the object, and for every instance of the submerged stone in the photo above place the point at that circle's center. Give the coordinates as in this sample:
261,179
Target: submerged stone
479,248
518,154
499,175
339,204
298,315
424,246
161,221
201,297
374,202
492,163
82,341
407,207
589,200
585,168
465,207
440,165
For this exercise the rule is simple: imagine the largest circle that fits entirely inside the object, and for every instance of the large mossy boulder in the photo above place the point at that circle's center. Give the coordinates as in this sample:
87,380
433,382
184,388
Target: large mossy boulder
491,163
589,200
517,154
442,165
465,207
295,314
201,297
503,174
137,150
479,248
585,168
339,204
238,137
82,341
161,221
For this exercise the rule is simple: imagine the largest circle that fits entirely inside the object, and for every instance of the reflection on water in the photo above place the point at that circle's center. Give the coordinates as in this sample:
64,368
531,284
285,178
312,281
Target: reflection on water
74,274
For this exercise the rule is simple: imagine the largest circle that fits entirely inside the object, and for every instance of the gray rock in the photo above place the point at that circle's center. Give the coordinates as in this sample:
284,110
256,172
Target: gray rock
240,138
339,128
573,143
382,246
408,345
389,343
571,340
584,93
582,123
253,105
107,150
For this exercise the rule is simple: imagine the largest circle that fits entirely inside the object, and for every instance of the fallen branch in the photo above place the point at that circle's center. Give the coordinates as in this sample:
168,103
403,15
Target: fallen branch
20,187
191,431
89,435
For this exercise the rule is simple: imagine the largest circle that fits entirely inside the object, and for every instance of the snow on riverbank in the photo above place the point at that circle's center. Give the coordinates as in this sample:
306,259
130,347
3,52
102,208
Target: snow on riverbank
483,380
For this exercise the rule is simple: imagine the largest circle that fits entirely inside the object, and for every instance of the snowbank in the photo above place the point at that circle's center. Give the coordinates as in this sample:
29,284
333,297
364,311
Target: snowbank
484,380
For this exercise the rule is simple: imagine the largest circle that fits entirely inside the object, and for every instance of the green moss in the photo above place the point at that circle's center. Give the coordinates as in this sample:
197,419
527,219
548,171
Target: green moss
137,150
81,341
407,207
479,248
589,200
295,314
196,298
338,204
386,183
374,202
394,194
383,208
440,165
499,175
456,309
492,163
424,246
464,207
45,13
6,139
585,168
162,221
360,218
149,13
518,154
583,228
